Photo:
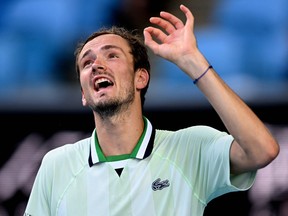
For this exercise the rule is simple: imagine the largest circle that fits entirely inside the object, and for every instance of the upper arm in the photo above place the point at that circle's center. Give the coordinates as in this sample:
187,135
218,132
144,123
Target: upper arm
244,161
238,161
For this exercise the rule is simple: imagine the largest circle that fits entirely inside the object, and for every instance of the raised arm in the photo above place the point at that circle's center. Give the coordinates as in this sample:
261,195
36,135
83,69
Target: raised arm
253,147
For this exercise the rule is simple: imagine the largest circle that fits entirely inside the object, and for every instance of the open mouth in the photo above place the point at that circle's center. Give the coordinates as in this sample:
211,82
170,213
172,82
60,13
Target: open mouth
103,83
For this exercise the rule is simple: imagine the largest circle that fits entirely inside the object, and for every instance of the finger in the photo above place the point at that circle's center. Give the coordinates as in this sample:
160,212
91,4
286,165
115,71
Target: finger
148,40
156,33
188,14
175,21
164,24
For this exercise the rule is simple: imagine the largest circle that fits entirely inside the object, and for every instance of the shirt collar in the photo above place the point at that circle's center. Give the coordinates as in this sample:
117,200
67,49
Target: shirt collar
141,151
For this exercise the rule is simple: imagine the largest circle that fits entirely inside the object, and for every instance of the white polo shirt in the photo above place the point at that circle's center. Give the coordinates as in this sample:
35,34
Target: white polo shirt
168,173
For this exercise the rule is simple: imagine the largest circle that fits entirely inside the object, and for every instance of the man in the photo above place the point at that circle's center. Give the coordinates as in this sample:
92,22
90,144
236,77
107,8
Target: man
127,167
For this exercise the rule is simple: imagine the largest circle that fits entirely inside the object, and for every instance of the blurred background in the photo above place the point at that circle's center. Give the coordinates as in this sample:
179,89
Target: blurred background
246,41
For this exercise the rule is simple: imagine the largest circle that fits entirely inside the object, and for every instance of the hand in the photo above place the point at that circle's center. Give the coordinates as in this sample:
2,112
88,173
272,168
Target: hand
175,41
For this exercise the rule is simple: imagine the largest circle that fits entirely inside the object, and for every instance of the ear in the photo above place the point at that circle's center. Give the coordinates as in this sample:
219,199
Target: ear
141,78
84,102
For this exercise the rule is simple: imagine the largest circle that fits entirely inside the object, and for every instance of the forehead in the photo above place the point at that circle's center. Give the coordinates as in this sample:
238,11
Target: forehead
103,40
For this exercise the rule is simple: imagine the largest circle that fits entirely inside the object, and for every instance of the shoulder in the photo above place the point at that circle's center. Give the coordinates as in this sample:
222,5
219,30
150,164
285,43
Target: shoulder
199,131
194,137
73,151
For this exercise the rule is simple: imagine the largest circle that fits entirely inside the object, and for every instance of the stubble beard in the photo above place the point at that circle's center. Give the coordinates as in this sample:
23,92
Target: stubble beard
114,106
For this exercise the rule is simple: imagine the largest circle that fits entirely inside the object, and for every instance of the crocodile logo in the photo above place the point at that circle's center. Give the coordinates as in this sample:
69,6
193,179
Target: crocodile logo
159,185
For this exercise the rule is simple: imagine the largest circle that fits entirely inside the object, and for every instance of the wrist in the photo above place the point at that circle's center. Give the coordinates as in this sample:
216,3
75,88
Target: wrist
203,74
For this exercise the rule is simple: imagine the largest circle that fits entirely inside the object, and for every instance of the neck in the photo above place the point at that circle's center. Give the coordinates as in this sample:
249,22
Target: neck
119,134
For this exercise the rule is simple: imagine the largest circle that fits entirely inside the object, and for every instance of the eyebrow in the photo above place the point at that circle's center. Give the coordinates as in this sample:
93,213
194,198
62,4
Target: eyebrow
106,47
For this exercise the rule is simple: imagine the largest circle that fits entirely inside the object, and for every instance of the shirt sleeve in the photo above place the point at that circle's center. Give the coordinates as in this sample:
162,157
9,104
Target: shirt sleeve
205,160
215,158
39,202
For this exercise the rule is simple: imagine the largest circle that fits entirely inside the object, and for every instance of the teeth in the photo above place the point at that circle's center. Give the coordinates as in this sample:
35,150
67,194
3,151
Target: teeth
102,80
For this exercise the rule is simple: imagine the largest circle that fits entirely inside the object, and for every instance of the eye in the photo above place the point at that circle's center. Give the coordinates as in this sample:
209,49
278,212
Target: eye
87,63
113,55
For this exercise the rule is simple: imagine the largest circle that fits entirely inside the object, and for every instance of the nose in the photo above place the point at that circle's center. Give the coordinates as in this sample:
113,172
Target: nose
98,66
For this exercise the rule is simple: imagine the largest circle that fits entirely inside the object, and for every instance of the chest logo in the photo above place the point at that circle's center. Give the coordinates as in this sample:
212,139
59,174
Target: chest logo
159,185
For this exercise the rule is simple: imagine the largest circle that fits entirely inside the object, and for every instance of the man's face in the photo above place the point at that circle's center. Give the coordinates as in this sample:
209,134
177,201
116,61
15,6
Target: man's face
107,74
